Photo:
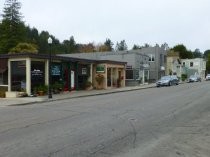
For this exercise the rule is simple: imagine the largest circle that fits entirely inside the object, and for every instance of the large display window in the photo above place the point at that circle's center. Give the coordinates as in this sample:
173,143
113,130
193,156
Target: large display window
37,73
56,73
18,75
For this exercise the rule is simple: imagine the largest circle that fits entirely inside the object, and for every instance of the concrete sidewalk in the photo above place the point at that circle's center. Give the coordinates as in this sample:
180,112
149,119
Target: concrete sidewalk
67,95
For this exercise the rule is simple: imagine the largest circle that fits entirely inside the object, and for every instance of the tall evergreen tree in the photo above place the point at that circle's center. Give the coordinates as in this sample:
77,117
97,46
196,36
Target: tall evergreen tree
121,46
12,28
206,53
43,46
70,45
109,44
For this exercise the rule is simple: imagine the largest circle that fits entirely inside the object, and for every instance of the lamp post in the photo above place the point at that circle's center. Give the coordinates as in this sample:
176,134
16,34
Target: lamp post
49,72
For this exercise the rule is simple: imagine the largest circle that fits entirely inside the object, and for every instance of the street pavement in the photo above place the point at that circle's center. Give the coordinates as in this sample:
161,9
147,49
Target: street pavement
68,95
155,122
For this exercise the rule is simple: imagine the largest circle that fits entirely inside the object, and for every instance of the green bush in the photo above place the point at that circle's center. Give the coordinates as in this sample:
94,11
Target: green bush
43,88
184,77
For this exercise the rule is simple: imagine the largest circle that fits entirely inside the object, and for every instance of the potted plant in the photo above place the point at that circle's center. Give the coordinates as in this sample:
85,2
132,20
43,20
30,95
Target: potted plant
99,79
57,87
42,90
88,85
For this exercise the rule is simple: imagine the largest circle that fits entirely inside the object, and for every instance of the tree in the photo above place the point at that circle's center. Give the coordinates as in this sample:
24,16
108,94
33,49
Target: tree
109,44
12,28
136,47
24,48
32,35
86,47
122,46
42,43
183,52
70,45
206,53
197,54
101,48
208,64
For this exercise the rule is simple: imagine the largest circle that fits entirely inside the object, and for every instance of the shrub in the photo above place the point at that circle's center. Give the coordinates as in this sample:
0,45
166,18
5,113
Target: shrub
184,77
99,78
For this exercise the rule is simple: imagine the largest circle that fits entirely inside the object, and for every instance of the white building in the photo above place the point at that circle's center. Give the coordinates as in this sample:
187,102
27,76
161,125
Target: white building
195,66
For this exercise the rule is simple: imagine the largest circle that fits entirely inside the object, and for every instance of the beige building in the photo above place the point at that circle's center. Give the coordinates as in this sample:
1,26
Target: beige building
173,64
30,72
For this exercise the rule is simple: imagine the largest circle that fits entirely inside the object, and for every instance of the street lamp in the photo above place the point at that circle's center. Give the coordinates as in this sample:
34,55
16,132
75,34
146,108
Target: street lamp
49,71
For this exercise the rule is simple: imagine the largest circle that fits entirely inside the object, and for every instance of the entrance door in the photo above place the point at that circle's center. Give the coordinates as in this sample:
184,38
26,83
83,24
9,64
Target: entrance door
66,79
119,79
109,77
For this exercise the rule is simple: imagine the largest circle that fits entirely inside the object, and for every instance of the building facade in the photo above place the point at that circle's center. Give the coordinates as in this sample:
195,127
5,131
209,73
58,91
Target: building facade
144,65
174,65
196,66
27,72
137,69
157,61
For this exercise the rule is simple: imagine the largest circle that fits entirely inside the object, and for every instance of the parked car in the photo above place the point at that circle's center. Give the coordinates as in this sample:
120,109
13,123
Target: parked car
194,78
167,81
207,77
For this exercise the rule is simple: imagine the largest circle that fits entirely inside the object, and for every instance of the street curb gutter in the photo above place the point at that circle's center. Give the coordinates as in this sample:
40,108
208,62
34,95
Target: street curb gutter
79,96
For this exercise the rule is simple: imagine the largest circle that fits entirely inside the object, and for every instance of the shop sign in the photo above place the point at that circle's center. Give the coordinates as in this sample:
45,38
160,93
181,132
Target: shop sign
55,71
37,73
128,66
84,71
100,68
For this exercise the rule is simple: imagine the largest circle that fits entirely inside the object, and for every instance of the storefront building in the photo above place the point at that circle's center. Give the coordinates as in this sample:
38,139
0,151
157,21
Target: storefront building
30,72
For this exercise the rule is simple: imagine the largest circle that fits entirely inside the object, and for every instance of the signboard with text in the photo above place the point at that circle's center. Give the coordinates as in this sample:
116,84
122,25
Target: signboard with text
56,70
100,68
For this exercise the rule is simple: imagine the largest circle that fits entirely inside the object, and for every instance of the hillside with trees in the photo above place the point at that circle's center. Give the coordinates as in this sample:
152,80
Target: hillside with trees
16,37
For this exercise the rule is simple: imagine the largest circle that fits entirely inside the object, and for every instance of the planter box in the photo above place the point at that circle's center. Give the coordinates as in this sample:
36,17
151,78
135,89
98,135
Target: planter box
12,94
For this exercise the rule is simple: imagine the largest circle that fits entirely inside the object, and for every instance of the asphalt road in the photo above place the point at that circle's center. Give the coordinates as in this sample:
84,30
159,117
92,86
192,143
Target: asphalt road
156,122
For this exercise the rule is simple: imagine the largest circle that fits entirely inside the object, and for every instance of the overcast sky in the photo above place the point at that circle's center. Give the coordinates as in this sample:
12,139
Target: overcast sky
135,21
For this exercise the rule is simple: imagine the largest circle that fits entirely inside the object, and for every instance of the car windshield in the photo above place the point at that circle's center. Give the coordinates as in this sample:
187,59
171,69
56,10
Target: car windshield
165,78
193,76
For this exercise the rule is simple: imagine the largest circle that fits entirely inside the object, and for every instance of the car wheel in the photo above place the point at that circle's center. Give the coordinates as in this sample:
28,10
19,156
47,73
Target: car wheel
169,84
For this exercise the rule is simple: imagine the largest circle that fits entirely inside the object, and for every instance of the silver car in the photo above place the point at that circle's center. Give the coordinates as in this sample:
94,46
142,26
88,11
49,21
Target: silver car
167,81
194,78
207,77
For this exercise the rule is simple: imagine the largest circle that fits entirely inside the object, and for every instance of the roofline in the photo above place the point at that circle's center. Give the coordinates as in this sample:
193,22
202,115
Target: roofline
46,56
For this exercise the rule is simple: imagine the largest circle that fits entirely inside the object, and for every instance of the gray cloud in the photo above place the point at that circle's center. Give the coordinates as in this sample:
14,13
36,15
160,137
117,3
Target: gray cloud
136,21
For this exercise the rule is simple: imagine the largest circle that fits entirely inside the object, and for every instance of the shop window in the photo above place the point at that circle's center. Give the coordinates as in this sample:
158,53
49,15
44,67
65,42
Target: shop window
129,74
37,73
18,75
56,70
151,57
191,64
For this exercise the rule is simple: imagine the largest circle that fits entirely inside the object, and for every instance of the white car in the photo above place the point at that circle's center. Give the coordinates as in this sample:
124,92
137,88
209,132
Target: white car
207,77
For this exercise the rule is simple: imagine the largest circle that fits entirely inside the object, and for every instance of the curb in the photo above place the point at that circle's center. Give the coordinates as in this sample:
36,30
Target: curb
79,96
